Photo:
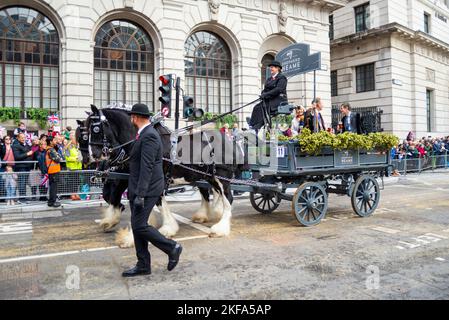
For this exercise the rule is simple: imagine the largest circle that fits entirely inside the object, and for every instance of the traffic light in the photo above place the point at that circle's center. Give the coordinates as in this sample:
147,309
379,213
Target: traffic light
165,98
189,111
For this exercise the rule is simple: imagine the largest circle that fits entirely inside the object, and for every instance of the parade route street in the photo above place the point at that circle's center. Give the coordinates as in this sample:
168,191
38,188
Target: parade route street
401,252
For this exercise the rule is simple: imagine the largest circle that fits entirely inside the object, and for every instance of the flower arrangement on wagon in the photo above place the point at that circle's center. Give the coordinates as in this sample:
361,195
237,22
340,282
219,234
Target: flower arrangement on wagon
313,143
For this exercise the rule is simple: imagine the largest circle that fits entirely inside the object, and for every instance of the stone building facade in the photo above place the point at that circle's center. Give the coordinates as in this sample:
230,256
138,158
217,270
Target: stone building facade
394,55
105,51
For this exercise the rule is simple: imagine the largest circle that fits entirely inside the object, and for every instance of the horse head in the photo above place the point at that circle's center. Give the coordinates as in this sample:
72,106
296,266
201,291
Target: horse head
109,129
82,137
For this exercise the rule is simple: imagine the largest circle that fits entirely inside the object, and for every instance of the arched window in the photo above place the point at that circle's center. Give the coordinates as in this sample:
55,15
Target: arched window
29,59
266,60
208,71
124,65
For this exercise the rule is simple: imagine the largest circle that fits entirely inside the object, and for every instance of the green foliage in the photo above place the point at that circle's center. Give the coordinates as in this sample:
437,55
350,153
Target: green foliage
313,143
10,113
230,119
39,115
13,113
283,119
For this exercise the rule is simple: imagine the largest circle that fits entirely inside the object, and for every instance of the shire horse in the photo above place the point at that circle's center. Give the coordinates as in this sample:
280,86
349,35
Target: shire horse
110,140
110,187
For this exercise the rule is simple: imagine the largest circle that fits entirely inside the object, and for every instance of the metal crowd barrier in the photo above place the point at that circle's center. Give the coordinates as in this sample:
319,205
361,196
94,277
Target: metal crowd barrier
33,186
417,165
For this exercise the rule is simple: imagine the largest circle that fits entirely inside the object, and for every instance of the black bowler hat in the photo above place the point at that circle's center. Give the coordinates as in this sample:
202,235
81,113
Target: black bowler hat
140,109
275,63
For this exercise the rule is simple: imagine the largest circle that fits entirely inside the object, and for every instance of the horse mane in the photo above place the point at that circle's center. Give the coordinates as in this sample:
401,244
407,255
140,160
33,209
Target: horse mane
121,119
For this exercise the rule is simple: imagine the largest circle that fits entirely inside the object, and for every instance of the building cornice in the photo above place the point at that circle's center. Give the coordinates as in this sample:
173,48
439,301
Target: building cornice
391,28
440,9
330,4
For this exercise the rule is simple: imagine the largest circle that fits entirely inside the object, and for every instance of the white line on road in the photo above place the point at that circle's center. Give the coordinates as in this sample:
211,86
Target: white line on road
190,223
192,237
51,255
10,228
66,253
15,232
385,230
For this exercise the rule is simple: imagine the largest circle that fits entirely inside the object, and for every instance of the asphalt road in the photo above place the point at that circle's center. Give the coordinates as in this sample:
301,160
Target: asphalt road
401,252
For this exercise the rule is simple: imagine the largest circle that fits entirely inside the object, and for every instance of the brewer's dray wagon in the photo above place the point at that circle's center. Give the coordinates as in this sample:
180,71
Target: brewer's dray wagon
353,173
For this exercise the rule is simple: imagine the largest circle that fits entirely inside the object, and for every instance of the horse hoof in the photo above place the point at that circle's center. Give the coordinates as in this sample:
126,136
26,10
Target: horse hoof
124,238
199,219
107,227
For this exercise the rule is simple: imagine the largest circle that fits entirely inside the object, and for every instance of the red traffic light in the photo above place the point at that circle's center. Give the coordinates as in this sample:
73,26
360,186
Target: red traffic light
165,80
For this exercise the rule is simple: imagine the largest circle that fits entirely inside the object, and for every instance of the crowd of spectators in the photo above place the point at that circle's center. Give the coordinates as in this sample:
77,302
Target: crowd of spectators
425,147
23,163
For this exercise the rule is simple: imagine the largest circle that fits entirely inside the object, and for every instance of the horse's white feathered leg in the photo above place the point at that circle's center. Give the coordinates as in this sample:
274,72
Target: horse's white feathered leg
203,213
169,224
111,217
124,238
155,219
217,205
223,227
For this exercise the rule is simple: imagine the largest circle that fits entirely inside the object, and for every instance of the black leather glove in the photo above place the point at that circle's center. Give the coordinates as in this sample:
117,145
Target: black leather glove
139,202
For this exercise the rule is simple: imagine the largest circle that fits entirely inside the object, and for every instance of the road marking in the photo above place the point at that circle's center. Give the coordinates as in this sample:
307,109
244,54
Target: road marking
16,216
192,237
35,215
420,241
191,223
57,254
72,252
440,259
385,230
10,228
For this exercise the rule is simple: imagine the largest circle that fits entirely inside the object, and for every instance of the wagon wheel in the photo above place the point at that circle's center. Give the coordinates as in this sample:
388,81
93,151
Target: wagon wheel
365,195
309,203
264,202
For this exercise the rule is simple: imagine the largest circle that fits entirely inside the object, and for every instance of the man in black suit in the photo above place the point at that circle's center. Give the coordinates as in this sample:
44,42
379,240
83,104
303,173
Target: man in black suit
24,157
313,119
351,120
146,184
273,94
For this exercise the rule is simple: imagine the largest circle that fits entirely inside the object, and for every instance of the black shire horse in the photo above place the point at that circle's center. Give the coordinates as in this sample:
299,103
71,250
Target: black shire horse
110,130
110,187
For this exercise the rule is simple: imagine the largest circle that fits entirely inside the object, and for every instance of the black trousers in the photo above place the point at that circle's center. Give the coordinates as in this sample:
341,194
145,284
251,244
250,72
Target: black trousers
53,180
144,233
258,116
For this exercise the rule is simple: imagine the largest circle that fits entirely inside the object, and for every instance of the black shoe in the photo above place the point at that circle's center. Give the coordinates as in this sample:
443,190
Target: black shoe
136,271
54,204
173,257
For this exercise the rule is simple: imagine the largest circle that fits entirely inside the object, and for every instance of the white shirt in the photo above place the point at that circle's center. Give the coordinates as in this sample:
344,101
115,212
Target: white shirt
141,129
274,75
